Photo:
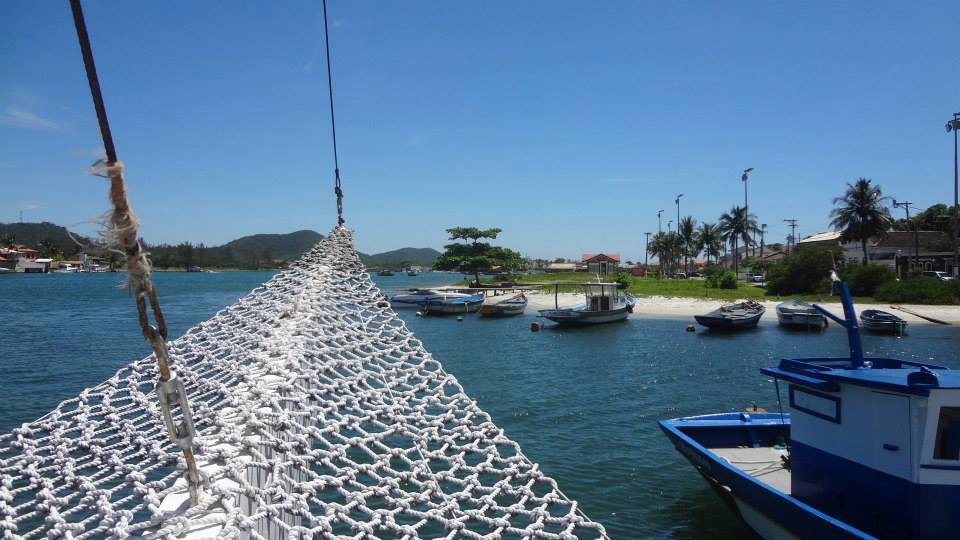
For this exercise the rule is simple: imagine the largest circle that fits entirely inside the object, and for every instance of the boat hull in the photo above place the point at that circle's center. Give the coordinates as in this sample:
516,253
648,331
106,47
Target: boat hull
882,322
453,306
583,317
500,310
772,514
723,323
801,320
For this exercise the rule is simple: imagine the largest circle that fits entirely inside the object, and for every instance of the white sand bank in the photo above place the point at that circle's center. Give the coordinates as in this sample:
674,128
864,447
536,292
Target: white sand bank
681,308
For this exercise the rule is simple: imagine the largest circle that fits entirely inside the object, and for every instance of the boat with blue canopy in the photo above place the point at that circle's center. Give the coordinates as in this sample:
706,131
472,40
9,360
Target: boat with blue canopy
867,447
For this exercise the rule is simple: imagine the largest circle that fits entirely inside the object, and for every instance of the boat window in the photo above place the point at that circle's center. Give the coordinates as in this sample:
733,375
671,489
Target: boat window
948,434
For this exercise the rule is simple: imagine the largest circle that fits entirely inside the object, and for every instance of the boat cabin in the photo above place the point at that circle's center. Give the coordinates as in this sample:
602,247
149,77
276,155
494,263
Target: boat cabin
876,444
604,296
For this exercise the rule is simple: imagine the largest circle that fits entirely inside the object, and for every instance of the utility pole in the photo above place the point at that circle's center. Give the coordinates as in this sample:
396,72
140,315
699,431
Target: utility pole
659,226
792,223
763,231
646,255
954,126
746,207
669,228
916,231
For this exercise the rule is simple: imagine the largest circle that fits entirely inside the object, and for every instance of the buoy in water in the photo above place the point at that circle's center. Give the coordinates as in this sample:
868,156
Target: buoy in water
691,328
419,314
460,318
534,327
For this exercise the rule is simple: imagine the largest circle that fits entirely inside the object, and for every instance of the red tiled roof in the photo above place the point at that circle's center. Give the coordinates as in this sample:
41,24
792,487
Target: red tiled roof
587,256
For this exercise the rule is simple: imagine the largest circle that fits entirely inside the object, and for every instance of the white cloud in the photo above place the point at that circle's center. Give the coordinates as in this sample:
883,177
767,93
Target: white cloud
15,117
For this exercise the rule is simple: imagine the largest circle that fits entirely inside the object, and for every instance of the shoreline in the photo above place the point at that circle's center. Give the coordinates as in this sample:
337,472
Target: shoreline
681,308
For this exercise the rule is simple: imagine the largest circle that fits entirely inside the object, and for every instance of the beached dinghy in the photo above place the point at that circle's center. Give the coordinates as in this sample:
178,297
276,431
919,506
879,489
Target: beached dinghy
417,298
875,320
868,448
605,302
735,316
505,306
799,314
448,303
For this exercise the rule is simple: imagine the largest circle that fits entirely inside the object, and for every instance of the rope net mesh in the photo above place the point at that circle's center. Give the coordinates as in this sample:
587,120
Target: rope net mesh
319,414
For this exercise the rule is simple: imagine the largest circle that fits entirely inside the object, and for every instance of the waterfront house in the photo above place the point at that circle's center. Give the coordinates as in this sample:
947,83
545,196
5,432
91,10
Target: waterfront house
601,263
896,249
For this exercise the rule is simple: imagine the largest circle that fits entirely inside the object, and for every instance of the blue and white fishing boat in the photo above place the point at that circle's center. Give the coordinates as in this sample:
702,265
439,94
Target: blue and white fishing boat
417,298
504,306
447,303
868,448
605,302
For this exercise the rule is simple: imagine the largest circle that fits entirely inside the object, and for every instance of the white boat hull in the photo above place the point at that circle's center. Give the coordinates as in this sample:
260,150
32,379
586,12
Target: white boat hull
563,316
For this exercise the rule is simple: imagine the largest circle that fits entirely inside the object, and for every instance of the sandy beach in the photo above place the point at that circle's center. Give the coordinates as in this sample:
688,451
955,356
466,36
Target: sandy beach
678,308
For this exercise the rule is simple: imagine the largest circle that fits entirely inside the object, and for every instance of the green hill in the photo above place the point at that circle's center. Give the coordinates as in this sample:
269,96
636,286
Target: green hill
248,252
400,258
32,234
284,247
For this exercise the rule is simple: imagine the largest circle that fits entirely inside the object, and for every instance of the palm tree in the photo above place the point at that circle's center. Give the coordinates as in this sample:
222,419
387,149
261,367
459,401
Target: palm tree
664,246
708,239
686,232
861,214
735,225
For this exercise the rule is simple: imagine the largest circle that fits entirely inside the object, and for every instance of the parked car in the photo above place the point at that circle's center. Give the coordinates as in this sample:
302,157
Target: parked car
933,274
680,275
755,278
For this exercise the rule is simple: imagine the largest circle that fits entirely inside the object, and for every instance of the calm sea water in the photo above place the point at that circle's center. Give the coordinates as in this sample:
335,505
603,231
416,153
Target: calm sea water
583,402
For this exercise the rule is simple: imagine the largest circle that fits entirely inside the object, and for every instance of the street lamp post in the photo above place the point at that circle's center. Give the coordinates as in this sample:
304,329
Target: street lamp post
679,240
669,226
954,126
646,255
746,207
659,225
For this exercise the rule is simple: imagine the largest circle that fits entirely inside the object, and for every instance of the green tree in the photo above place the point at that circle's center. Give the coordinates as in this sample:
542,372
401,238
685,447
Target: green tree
687,237
861,214
934,218
472,255
665,246
709,240
8,240
737,225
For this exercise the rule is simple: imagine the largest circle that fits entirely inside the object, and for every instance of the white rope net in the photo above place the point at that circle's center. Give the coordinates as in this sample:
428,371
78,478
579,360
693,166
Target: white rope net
319,415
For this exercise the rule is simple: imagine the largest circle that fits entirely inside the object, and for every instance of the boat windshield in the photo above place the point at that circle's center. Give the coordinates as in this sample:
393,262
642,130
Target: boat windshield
603,296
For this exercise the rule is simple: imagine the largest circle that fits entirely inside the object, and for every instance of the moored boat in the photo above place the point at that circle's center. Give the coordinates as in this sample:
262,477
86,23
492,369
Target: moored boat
448,303
385,273
876,320
417,298
504,306
800,314
867,448
734,316
605,302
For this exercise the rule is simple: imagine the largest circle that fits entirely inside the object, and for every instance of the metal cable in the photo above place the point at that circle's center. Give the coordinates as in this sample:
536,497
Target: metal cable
123,234
333,121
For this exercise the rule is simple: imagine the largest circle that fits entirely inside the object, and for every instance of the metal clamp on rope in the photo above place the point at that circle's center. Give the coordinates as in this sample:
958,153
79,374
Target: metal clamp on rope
172,394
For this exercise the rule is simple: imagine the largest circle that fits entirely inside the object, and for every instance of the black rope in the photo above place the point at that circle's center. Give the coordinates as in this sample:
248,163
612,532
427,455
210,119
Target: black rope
91,68
333,122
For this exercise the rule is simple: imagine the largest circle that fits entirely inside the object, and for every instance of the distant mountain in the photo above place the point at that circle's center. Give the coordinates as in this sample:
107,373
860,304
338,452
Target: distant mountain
402,257
284,247
248,252
32,234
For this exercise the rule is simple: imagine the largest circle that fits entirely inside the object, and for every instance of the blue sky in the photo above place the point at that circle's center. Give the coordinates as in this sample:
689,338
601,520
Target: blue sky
566,124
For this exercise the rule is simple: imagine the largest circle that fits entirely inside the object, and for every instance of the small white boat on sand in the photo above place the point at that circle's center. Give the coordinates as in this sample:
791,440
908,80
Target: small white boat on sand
504,306
799,314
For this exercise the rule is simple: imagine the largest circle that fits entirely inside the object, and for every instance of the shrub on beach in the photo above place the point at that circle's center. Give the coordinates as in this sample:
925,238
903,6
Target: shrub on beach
864,280
719,277
919,291
806,271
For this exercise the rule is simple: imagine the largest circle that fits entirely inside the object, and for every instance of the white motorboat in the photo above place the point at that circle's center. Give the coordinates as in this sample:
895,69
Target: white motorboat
797,313
418,298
